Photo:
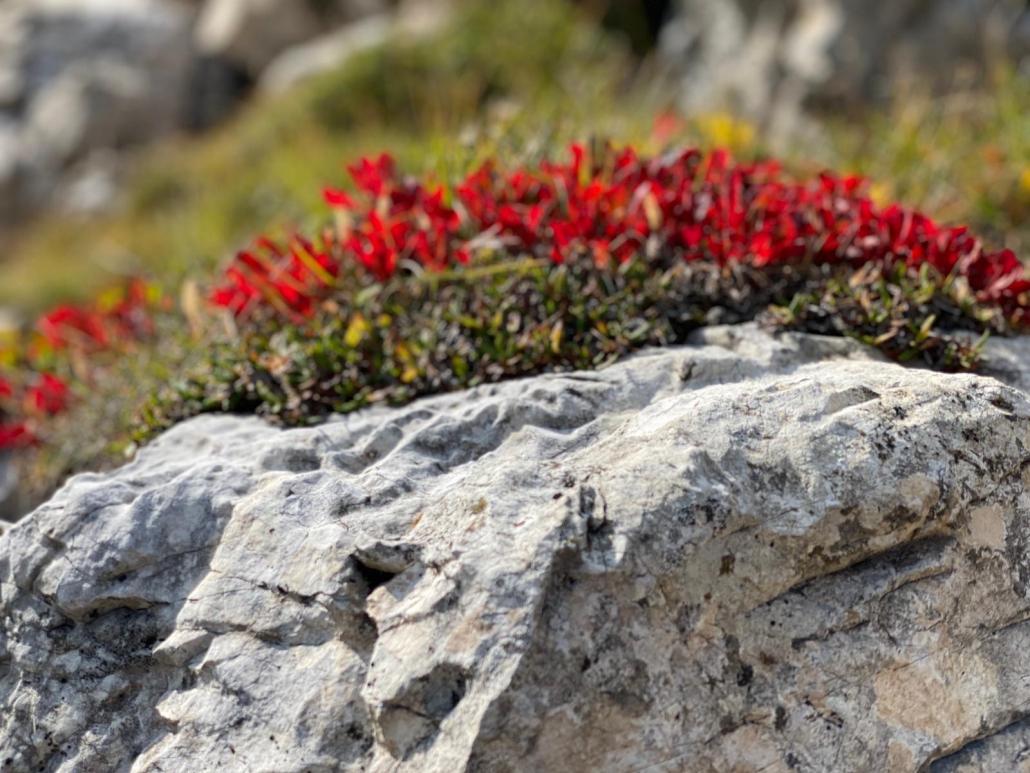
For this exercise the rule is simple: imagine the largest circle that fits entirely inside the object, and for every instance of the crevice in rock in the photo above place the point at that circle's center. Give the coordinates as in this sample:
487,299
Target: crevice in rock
918,557
952,759
379,562
373,576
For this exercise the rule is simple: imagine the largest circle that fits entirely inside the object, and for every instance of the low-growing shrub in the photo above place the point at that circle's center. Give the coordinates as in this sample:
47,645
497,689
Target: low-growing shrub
421,288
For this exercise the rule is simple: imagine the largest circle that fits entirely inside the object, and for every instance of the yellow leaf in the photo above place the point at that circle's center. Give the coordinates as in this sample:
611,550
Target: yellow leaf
357,328
880,193
652,212
725,130
410,372
192,306
556,334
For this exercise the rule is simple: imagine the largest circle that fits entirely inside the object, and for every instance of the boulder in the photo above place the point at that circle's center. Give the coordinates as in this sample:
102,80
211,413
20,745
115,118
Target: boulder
326,52
774,59
413,20
748,553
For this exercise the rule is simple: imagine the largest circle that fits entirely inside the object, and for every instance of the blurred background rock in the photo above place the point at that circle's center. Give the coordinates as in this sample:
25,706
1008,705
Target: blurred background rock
776,61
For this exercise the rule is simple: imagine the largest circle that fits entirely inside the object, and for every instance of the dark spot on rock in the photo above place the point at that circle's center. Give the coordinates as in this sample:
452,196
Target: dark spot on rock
726,564
374,577
745,675
780,718
998,401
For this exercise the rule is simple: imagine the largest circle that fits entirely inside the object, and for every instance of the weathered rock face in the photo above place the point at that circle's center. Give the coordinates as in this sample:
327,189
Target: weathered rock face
732,556
771,59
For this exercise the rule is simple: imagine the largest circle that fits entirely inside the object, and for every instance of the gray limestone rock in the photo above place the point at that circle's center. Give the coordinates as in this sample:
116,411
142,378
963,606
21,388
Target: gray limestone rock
752,553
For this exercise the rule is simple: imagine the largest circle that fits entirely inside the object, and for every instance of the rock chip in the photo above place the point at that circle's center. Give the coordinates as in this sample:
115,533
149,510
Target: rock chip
749,553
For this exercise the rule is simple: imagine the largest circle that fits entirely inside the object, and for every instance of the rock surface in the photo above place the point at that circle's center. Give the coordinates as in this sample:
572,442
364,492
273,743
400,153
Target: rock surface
747,554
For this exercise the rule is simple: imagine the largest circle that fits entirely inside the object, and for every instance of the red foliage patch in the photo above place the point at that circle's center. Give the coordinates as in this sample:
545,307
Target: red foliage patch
606,208
33,392
609,209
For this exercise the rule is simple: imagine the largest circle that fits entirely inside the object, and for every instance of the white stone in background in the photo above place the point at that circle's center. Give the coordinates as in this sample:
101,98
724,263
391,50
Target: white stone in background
325,52
9,166
81,75
251,33
91,186
771,59
413,19
751,553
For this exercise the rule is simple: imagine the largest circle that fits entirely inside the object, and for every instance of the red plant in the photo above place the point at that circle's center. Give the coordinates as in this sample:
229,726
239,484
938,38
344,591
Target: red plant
49,395
606,208
14,435
34,392
610,208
